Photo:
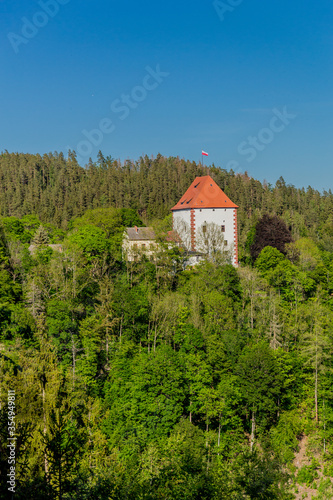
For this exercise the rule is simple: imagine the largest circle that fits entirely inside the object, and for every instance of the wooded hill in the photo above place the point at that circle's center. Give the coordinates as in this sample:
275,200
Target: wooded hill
142,380
57,189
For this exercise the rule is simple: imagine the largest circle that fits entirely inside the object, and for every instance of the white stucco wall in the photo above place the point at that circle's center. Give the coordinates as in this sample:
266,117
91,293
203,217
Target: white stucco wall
132,250
182,225
219,216
183,214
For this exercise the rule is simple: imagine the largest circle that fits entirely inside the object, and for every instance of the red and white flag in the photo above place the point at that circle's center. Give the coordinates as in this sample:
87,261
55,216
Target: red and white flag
204,153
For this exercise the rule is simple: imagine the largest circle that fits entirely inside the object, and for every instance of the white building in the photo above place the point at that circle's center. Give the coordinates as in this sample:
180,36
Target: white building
139,241
205,218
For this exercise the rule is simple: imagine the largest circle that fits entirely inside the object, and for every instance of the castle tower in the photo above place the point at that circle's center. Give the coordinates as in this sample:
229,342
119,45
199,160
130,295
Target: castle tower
205,207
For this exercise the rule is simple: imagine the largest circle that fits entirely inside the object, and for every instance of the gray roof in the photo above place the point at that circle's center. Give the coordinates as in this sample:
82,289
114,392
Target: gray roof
57,247
140,233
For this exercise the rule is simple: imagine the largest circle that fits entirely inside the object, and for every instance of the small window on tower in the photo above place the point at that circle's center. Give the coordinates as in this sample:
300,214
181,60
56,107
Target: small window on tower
223,229
225,243
204,228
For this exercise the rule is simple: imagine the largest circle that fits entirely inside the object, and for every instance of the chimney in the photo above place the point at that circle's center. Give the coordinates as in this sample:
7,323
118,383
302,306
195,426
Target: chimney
136,229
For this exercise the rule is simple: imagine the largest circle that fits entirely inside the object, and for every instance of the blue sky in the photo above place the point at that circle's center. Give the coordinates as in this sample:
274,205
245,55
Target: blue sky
248,81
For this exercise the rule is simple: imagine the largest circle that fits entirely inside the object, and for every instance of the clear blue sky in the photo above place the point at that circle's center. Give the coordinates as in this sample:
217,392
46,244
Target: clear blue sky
229,73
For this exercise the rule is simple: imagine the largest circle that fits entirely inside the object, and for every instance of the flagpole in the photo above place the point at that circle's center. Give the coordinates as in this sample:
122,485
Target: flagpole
203,153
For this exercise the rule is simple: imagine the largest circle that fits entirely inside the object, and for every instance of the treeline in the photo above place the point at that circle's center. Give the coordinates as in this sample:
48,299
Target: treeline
56,189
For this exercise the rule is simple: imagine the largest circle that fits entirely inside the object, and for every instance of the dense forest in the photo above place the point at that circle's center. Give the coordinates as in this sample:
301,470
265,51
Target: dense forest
145,380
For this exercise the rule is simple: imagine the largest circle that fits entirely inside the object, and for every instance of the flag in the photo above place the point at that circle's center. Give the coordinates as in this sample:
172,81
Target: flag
204,153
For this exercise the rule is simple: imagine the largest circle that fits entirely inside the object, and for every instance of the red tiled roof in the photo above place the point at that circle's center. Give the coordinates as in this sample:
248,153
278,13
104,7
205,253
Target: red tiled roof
204,193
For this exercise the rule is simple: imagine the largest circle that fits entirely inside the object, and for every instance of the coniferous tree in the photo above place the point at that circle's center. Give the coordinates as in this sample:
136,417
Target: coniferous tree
41,237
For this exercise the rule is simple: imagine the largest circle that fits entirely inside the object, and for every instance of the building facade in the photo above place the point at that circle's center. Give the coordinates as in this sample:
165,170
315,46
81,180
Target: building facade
206,219
139,241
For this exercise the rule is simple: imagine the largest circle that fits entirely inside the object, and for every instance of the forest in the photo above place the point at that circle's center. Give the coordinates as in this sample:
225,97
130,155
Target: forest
147,380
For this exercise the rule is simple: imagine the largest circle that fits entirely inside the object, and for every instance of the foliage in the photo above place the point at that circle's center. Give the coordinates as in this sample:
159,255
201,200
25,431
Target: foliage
270,231
268,259
41,237
308,473
148,379
90,240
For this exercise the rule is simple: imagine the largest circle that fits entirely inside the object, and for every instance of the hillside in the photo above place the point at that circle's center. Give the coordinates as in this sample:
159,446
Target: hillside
57,189
142,380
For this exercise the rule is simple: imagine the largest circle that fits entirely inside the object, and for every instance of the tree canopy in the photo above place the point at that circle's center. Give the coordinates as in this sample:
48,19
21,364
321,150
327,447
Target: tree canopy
149,379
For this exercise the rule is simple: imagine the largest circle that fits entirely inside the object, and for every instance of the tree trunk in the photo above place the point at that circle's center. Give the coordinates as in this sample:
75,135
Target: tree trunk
324,425
251,313
121,327
46,463
316,390
73,362
253,428
60,481
107,347
155,337
316,378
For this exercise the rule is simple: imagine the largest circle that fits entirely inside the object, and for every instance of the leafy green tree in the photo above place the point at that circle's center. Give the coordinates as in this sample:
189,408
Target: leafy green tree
175,467
62,444
254,292
228,399
218,312
208,276
14,228
145,400
251,475
317,346
308,254
130,218
268,259
107,219
106,314
294,285
261,477
4,252
91,362
261,384
91,240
